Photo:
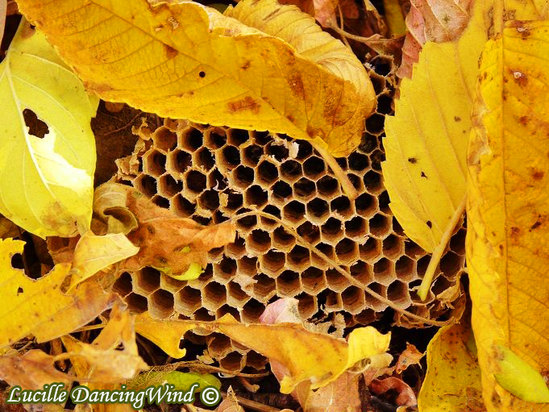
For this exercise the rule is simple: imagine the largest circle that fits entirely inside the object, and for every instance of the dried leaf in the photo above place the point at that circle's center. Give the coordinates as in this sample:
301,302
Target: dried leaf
508,210
437,21
405,394
452,382
38,307
181,380
176,246
95,253
340,395
410,356
210,68
31,371
165,334
46,183
230,403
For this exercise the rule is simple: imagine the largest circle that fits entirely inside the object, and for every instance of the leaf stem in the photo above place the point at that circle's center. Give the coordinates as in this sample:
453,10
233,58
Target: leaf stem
425,286
341,176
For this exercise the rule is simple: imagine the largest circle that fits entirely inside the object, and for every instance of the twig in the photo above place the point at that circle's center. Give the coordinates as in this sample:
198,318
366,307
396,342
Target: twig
256,406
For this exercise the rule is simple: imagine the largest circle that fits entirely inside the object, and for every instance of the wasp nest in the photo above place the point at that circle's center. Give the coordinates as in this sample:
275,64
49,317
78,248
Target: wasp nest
211,174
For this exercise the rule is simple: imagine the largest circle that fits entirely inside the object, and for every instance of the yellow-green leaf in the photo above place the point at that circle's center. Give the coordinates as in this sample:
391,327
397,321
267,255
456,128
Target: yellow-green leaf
508,208
452,382
46,184
38,307
185,60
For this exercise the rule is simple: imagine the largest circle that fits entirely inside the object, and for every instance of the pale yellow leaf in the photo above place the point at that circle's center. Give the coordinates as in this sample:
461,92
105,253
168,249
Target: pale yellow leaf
185,60
38,307
452,382
164,333
46,184
508,209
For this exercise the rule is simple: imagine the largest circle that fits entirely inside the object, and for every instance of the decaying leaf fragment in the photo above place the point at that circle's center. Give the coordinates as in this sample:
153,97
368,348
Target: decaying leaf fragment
290,78
508,211
452,382
176,246
39,307
45,183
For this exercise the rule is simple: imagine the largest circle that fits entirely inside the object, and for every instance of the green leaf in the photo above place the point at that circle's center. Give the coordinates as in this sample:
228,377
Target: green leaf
181,380
46,184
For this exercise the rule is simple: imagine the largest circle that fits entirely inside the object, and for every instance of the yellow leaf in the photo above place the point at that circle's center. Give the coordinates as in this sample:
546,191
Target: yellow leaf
452,382
46,183
94,253
165,334
38,307
185,60
508,207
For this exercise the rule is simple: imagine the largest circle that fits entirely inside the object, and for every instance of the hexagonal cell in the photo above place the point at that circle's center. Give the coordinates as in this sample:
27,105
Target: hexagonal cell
209,199
225,269
343,207
147,280
318,210
362,272
457,242
246,223
272,262
182,206
365,317
450,263
277,150
413,250
233,361
136,303
353,299
373,182
161,201
265,222
405,269
164,139
336,281
146,184
282,240
370,250
383,200
281,190
299,257
332,230
237,136
332,301
307,305
358,161
374,302
397,293
195,181
190,139
291,170
243,176
294,212
313,280
227,309
264,288
237,249
204,158
326,250
251,155
161,304
304,189
123,285
215,138
314,167
179,161
305,149
171,284
154,163
384,271
255,360
229,157
236,297
288,283
219,345
188,300
366,205
356,228
346,251
214,295
259,241
168,186
380,225
233,200
204,315
393,247
309,232
375,123
255,196
267,173
251,311
328,187
247,266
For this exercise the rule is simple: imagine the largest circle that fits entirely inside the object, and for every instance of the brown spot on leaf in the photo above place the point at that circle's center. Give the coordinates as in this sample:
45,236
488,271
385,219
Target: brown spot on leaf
522,28
170,51
424,175
246,65
296,84
520,78
523,120
412,160
457,118
430,224
247,103
537,174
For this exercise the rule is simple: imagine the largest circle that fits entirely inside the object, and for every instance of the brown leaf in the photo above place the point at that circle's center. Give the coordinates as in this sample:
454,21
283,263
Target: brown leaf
405,394
410,356
340,395
32,370
167,242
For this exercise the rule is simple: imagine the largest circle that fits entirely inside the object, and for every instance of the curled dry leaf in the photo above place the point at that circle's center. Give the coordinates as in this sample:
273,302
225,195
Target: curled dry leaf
39,307
452,382
46,183
436,21
508,214
165,334
340,395
287,77
176,246
31,370
405,395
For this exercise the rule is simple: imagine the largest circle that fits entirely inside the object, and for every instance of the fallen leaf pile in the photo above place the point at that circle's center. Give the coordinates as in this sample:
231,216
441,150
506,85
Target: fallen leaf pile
467,146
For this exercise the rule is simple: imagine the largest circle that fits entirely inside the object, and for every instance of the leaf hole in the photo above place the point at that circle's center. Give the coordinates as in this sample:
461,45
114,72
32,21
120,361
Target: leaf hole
36,126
